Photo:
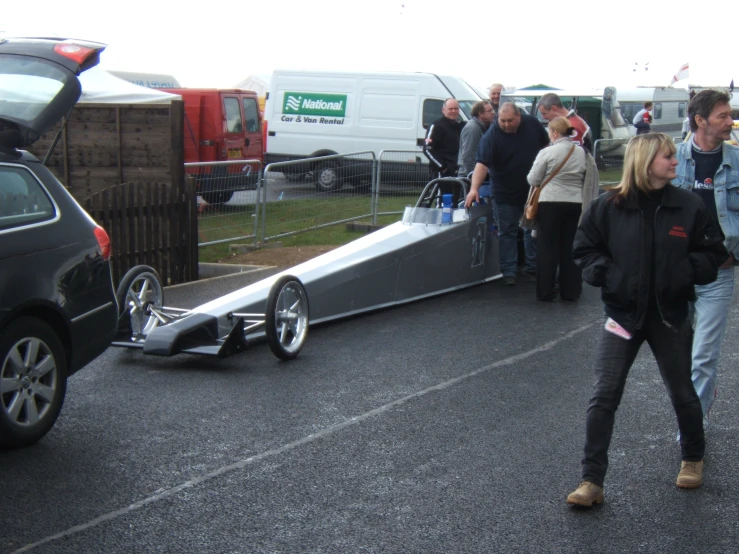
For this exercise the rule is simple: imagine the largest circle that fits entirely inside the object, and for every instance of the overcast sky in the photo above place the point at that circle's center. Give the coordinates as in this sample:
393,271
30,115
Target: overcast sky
563,44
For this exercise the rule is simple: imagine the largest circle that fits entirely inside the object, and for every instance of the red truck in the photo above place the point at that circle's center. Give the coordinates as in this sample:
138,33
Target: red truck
222,125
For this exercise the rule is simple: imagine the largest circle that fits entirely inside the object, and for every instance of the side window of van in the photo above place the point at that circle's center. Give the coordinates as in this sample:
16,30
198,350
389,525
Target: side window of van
657,112
629,110
681,107
233,115
431,111
251,114
22,200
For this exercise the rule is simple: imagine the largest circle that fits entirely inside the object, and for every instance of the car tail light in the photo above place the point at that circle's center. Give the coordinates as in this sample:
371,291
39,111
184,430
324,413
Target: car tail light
104,242
75,52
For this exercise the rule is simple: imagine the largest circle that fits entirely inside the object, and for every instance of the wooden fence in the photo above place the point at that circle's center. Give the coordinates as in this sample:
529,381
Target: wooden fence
124,163
101,145
150,223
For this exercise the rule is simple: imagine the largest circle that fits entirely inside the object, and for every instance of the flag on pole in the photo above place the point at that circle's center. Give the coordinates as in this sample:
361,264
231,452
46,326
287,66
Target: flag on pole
682,73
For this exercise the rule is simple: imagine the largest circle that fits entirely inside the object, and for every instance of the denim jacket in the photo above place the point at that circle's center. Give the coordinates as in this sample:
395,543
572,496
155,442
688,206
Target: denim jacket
725,189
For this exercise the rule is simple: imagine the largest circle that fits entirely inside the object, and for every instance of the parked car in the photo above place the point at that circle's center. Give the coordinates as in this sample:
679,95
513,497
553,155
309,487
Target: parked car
58,309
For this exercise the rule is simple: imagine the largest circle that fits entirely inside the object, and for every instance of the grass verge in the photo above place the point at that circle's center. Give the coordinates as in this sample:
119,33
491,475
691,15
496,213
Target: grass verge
292,216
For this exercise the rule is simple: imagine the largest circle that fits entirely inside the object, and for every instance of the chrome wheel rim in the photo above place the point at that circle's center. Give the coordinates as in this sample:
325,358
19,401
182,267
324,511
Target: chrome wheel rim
291,316
28,382
144,291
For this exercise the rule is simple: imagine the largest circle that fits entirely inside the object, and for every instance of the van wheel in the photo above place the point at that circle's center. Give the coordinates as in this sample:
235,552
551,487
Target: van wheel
328,176
217,196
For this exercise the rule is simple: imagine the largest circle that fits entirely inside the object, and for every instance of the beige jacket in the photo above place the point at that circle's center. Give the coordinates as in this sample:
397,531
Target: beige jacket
567,185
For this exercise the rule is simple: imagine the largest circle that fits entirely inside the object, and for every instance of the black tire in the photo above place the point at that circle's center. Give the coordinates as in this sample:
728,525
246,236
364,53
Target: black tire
328,176
28,411
286,317
217,196
133,298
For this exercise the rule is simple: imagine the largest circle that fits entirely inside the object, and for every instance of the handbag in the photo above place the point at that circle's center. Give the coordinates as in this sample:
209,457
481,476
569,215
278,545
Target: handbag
531,208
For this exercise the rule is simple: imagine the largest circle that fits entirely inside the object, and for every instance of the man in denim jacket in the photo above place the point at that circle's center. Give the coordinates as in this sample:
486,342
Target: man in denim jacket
710,167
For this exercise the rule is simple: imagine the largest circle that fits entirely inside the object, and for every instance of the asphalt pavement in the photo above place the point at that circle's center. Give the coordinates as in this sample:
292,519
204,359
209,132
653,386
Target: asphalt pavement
450,425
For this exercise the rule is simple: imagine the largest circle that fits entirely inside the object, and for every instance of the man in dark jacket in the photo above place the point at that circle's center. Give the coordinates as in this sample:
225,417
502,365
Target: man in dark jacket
508,150
442,141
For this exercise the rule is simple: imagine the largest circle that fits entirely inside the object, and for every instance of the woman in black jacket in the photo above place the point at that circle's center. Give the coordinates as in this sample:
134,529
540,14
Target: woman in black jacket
645,243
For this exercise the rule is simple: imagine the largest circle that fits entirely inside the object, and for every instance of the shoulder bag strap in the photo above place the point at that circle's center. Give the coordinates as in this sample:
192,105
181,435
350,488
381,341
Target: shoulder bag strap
559,167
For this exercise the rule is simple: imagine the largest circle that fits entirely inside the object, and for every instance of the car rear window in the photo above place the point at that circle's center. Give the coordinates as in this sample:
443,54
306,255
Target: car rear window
23,201
27,86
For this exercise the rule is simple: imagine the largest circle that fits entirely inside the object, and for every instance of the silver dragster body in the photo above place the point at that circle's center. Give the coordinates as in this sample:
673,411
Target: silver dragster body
427,253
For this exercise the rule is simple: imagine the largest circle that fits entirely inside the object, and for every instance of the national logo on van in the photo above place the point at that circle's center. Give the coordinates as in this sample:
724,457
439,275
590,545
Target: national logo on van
312,103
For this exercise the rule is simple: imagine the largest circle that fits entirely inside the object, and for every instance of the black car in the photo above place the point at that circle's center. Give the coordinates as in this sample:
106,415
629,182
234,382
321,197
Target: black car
58,309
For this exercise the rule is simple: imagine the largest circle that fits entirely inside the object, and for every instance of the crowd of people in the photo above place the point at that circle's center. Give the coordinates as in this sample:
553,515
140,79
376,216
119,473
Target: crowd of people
661,245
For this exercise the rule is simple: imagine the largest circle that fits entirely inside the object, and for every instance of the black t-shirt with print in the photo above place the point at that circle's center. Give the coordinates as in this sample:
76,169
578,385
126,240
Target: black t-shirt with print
706,166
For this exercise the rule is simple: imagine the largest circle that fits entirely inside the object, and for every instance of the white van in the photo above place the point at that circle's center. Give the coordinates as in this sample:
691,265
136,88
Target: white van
318,113
668,113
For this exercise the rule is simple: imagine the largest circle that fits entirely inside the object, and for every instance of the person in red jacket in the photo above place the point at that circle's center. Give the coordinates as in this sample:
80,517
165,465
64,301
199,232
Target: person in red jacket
550,106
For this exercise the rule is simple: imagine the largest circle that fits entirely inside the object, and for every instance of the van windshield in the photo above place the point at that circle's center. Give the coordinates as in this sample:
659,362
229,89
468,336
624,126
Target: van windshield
465,106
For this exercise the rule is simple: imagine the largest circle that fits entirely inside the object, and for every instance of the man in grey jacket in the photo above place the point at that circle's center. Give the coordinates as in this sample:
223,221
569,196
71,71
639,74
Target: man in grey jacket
482,116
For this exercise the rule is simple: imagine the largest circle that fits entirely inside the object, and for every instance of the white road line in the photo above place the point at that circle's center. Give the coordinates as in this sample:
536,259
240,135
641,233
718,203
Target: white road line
287,447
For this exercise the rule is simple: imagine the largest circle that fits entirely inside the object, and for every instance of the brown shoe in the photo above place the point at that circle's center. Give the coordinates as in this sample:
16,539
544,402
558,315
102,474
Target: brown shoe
691,475
586,495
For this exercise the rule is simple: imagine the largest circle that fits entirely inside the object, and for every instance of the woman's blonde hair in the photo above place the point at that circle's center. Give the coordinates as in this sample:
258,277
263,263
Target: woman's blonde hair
561,125
640,153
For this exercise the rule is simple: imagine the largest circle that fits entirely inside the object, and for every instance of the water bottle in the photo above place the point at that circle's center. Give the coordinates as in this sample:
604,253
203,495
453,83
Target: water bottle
446,208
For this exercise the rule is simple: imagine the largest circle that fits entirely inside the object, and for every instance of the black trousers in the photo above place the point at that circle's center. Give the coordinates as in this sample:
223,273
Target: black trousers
554,238
672,350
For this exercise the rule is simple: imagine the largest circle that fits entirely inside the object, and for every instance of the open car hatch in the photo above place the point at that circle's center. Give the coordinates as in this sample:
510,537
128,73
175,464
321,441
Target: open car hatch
39,85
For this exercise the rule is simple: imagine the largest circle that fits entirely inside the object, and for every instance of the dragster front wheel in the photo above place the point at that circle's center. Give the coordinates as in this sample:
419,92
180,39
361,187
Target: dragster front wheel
139,289
286,317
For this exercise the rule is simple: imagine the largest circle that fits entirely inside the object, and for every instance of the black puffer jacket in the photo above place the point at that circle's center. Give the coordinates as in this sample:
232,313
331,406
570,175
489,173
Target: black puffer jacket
613,248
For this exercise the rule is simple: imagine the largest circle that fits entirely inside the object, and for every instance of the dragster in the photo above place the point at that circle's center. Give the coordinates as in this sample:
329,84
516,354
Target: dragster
433,250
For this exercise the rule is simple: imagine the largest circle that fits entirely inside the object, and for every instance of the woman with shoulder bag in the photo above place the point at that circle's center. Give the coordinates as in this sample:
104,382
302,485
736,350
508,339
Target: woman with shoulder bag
645,243
559,170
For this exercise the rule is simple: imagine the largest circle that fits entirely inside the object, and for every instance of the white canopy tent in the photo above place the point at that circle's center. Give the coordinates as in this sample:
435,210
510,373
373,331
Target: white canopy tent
99,86
257,83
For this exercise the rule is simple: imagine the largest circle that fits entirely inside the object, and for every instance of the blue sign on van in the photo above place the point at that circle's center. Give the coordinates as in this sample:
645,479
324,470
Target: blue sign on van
314,103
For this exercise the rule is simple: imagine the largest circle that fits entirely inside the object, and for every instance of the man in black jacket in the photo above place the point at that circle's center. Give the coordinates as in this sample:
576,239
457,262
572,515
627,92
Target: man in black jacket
508,150
442,141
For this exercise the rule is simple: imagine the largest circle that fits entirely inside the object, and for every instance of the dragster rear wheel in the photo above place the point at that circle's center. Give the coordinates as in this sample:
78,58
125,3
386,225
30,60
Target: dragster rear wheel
286,317
140,288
